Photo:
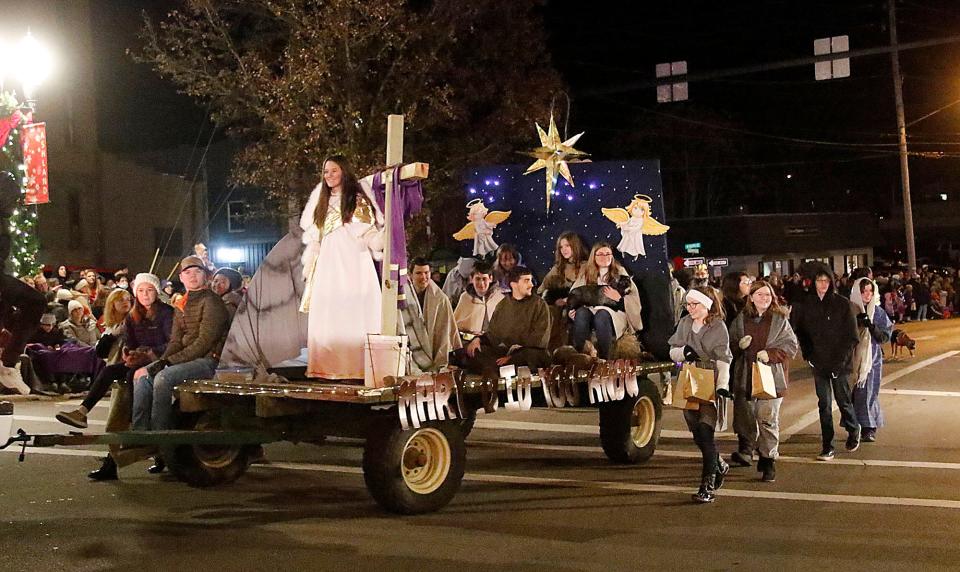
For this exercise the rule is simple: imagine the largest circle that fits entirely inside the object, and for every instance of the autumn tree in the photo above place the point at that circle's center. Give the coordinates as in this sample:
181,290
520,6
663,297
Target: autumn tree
297,80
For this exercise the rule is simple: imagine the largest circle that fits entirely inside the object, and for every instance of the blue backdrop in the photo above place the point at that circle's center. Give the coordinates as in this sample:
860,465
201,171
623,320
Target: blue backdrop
604,184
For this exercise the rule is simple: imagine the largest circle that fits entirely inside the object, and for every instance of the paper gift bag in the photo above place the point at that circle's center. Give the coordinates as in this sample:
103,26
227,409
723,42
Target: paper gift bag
678,400
763,384
698,383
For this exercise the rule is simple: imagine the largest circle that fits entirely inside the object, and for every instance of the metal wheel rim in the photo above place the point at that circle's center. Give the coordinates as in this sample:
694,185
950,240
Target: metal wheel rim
642,421
425,461
216,457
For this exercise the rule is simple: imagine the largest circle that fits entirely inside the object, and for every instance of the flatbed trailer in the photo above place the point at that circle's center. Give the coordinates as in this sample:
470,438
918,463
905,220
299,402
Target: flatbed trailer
413,429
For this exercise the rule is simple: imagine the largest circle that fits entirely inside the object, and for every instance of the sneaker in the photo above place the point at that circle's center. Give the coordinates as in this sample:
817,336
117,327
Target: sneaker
740,460
722,469
75,418
853,441
869,435
826,454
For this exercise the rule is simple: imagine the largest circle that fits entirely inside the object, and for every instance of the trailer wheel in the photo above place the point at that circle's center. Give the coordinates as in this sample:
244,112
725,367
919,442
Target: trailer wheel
414,471
207,465
630,428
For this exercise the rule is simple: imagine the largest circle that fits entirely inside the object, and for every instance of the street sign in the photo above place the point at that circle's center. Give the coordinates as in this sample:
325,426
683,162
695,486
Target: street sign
691,262
831,69
692,248
718,262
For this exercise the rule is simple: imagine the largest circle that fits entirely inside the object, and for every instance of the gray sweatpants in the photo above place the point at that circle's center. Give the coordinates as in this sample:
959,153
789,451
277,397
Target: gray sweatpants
757,423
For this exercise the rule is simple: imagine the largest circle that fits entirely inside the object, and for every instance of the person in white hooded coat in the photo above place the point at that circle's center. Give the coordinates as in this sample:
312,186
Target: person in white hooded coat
874,329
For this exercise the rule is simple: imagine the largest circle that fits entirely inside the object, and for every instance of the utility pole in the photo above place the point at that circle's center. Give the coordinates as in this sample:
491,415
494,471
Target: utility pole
902,132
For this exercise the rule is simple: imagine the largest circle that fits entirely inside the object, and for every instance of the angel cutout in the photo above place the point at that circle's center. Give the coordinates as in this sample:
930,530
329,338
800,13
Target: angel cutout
633,222
480,228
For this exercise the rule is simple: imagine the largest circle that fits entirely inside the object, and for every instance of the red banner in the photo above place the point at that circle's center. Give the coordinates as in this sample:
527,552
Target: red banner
34,140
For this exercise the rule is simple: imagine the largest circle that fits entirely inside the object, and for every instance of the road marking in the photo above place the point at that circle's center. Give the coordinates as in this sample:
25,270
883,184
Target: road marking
920,392
694,455
578,429
923,338
646,488
812,417
50,420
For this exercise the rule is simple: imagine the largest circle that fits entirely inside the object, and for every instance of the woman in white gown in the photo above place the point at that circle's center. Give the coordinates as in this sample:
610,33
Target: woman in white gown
343,234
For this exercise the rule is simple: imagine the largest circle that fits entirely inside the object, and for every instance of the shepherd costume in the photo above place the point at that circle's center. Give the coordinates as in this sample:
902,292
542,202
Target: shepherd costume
428,320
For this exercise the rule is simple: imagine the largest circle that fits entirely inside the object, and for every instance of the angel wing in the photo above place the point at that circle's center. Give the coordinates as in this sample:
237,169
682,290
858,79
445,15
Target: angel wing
652,227
496,217
467,232
618,216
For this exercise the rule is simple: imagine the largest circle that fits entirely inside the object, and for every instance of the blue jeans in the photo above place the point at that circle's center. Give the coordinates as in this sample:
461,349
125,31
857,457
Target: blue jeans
922,312
840,390
153,395
585,322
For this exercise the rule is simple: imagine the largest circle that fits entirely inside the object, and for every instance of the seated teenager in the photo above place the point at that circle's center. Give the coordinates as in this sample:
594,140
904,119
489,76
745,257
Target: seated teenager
476,305
615,311
80,328
228,284
199,332
569,255
518,332
428,319
508,258
148,329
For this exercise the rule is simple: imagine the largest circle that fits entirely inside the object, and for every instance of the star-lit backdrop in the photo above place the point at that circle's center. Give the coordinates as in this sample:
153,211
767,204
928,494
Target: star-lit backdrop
599,184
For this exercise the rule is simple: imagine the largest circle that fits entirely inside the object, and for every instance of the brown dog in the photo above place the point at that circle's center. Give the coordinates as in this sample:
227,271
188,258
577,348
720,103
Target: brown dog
899,339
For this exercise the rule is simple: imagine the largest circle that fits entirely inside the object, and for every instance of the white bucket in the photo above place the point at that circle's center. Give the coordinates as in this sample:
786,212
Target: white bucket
6,420
383,356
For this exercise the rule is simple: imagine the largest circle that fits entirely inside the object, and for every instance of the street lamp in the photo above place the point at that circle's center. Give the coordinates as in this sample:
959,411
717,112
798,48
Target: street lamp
28,62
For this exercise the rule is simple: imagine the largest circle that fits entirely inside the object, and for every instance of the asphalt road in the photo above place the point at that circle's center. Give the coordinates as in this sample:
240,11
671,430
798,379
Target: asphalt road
538,495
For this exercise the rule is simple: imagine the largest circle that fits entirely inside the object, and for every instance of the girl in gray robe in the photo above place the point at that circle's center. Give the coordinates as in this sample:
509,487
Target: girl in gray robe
702,338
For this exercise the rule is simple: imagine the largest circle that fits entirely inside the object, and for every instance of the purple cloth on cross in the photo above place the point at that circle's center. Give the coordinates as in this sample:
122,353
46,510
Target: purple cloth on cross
407,201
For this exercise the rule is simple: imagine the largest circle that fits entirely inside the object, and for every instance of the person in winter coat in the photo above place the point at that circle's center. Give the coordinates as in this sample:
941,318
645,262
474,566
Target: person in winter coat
874,329
702,338
618,317
761,333
148,328
569,255
826,328
80,328
228,284
735,288
477,304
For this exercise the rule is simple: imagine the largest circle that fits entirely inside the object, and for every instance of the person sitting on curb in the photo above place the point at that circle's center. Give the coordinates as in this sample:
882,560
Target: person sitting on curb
199,332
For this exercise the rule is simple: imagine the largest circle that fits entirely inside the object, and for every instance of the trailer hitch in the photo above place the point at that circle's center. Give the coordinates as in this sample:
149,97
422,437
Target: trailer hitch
21,437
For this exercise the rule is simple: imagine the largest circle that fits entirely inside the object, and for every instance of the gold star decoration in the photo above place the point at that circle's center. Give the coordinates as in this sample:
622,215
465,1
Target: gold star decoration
554,156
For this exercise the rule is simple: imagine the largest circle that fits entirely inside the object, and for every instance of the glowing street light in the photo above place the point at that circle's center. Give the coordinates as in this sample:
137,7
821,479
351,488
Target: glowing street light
28,62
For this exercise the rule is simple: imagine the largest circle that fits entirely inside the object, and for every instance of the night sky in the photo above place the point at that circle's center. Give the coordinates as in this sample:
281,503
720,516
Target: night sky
605,45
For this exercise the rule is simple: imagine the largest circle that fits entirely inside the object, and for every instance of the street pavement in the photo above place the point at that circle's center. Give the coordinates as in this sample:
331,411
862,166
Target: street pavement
538,495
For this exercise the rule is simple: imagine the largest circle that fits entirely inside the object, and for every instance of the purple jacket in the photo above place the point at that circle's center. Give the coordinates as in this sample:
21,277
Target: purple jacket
155,333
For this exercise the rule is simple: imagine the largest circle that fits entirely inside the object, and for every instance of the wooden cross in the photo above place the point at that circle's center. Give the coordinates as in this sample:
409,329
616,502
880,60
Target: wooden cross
388,311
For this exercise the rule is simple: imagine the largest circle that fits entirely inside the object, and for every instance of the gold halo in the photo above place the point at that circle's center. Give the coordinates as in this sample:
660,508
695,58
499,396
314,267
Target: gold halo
475,202
643,198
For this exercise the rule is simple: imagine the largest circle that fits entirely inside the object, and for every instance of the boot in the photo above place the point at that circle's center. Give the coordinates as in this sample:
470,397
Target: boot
106,472
705,494
157,467
742,456
722,469
767,468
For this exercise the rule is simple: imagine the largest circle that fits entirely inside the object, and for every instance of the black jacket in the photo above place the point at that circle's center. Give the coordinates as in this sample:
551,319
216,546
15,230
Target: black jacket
826,330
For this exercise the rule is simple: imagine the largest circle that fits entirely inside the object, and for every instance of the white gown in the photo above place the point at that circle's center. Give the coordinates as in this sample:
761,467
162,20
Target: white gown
632,242
342,295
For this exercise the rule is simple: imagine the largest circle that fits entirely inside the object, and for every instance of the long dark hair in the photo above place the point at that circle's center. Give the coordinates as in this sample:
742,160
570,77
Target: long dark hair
349,195
591,271
577,256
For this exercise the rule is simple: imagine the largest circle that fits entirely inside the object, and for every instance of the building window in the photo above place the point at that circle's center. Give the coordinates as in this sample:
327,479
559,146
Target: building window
236,216
161,236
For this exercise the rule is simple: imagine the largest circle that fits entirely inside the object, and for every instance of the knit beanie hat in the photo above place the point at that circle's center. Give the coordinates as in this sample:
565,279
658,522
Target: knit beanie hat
236,280
64,295
48,319
146,278
74,305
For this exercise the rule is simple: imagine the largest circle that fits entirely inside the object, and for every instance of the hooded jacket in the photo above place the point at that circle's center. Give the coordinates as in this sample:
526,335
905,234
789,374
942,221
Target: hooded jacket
827,330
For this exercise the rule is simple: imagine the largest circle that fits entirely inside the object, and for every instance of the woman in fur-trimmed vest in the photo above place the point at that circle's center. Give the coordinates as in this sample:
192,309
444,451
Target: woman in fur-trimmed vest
762,333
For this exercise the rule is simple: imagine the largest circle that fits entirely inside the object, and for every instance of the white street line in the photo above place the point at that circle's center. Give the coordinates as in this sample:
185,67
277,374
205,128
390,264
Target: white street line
644,488
694,455
812,417
483,423
50,420
923,338
920,392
